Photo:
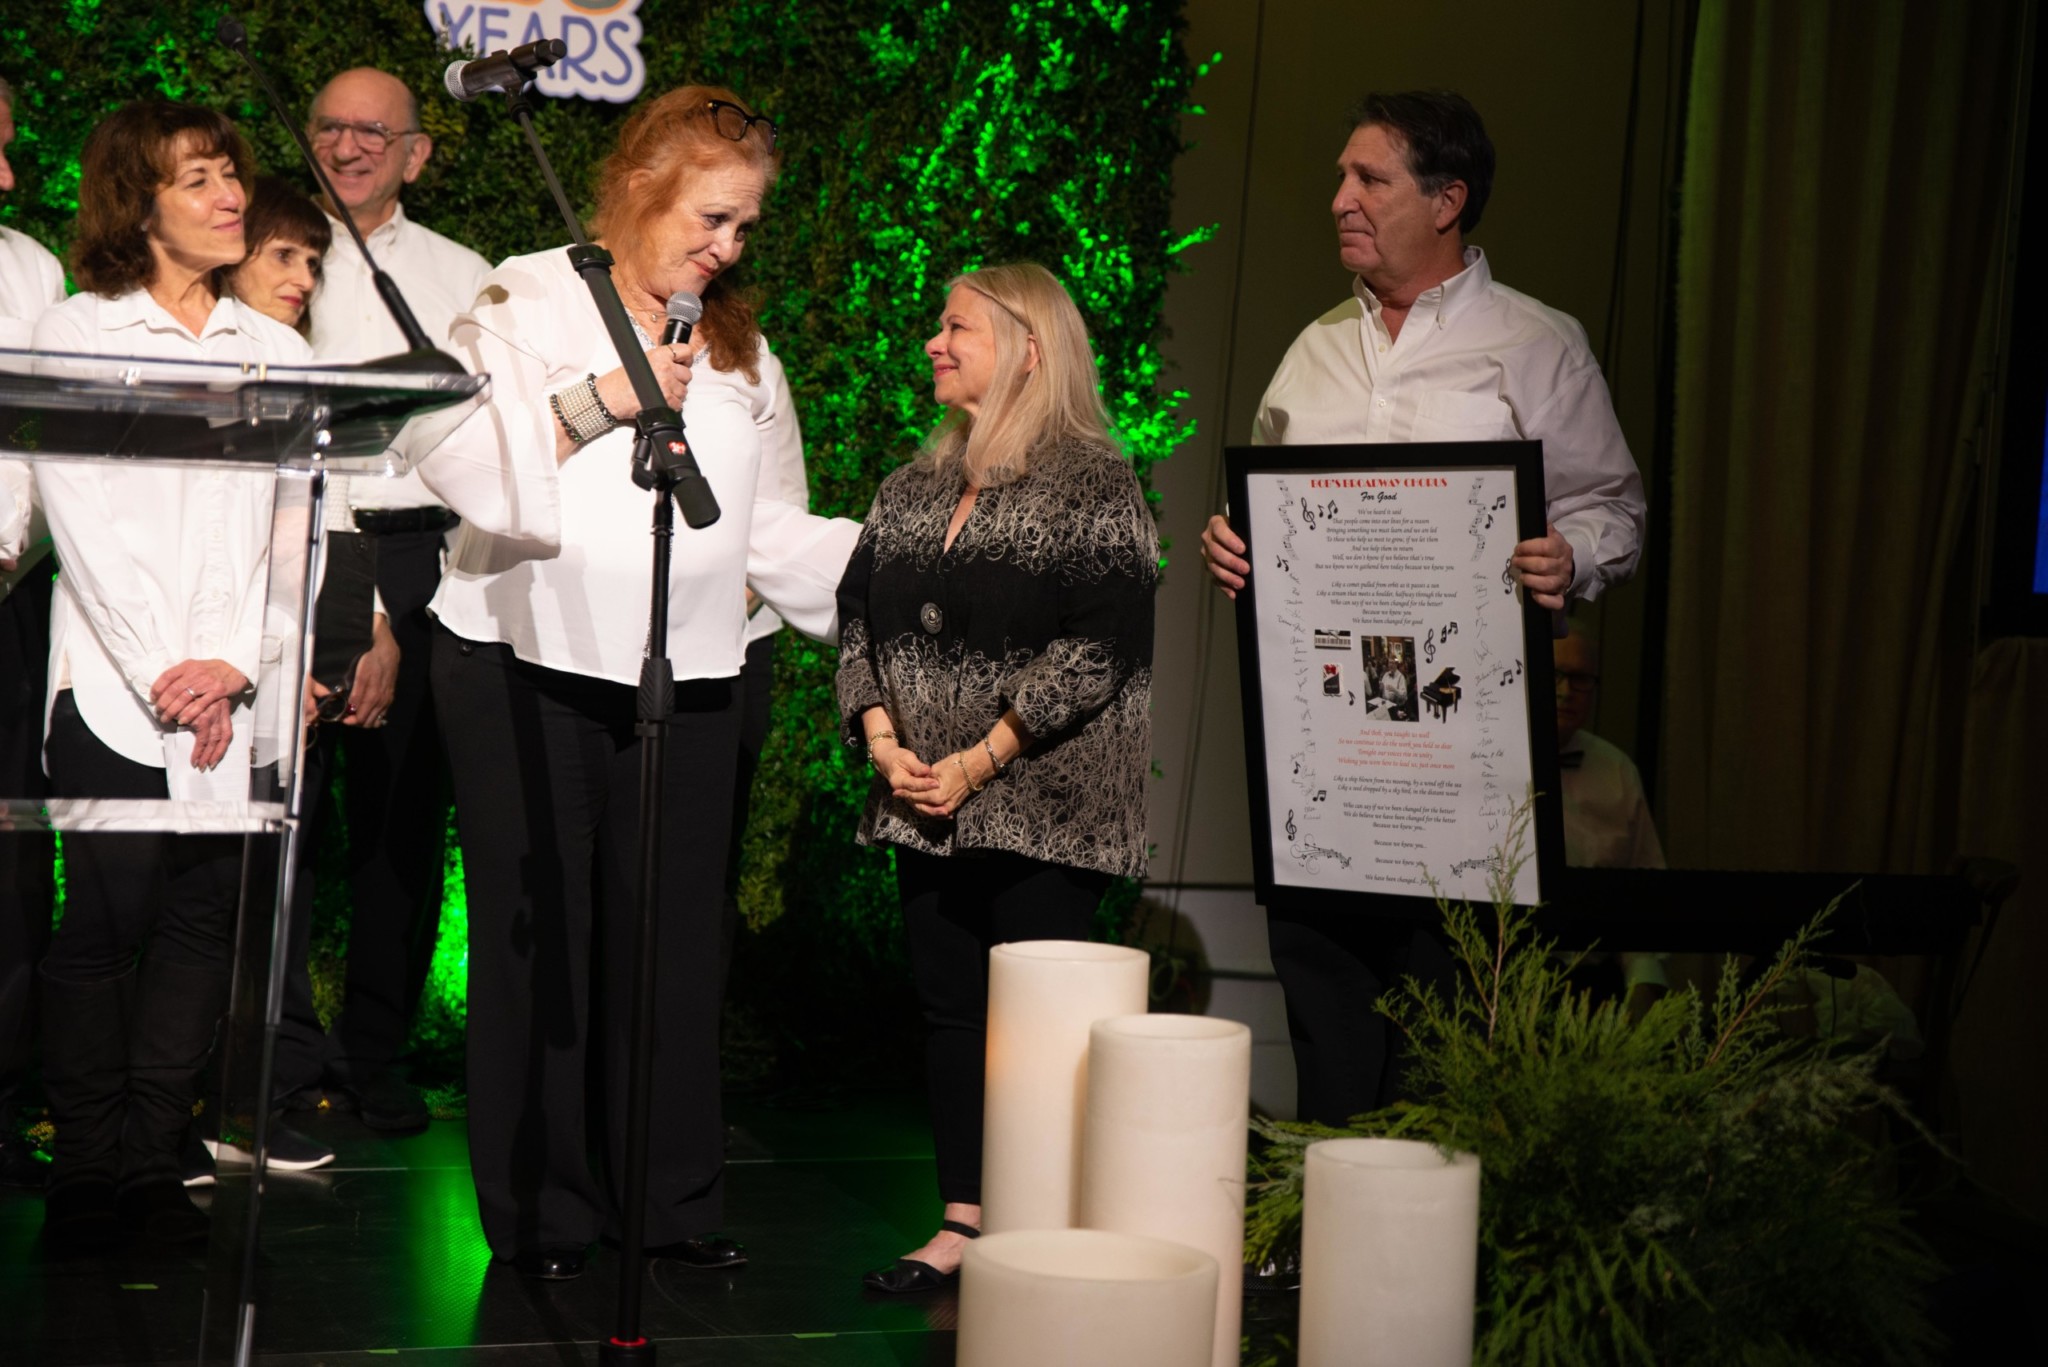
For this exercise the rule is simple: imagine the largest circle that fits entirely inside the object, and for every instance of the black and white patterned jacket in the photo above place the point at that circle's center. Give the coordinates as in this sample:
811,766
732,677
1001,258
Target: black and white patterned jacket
1043,604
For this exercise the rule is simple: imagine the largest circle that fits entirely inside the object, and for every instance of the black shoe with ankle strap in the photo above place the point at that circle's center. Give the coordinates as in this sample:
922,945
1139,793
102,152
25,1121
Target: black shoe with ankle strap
909,1276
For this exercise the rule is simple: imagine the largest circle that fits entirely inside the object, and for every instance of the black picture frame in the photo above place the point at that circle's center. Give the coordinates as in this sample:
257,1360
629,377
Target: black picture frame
1525,460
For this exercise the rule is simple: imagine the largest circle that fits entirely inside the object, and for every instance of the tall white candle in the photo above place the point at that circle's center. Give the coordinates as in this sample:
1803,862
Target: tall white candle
1042,997
1389,1255
1163,1143
1084,1298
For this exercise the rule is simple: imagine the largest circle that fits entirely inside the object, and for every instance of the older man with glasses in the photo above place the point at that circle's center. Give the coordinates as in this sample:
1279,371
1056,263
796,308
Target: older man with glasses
366,134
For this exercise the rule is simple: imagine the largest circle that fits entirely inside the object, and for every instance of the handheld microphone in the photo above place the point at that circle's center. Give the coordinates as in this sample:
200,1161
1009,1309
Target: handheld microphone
684,309
502,71
421,354
693,494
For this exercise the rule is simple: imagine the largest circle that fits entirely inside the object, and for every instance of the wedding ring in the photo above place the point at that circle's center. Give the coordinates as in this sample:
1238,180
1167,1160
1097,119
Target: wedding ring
193,691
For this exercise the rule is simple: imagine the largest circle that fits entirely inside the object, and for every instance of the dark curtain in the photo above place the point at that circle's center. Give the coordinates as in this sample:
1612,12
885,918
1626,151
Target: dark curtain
1839,234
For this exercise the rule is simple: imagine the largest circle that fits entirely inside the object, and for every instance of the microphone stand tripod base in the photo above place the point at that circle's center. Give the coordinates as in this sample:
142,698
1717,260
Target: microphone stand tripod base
639,1353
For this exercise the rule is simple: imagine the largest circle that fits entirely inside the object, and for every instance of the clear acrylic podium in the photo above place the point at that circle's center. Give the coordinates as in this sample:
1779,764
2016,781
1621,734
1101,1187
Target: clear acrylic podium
305,424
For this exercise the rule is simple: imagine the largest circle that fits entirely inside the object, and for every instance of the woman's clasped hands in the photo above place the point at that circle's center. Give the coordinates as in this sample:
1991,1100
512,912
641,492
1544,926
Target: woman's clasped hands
935,789
200,695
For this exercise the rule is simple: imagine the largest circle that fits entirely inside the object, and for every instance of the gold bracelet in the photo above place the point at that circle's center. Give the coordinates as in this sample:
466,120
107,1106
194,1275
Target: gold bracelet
880,735
961,760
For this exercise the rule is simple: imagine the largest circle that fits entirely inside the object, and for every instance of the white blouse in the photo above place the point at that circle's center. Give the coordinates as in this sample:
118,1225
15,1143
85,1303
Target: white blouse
160,565
440,279
31,280
563,577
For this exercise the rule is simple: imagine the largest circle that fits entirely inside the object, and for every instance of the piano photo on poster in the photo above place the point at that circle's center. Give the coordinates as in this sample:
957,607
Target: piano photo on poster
1397,685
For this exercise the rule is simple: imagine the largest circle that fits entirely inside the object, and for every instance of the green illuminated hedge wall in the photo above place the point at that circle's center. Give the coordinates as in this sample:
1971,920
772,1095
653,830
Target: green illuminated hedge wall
920,139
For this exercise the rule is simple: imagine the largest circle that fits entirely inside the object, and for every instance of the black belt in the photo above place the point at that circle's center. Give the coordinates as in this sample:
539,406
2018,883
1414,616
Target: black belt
385,521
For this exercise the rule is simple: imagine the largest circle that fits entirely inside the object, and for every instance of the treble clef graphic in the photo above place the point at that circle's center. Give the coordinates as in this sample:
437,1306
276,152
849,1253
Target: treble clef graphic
1291,832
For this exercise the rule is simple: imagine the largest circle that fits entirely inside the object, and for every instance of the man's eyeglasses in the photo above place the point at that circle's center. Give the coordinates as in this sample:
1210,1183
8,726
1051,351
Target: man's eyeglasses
733,122
371,137
1575,681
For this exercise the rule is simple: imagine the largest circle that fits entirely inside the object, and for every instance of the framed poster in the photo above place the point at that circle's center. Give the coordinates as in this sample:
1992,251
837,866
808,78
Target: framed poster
1397,683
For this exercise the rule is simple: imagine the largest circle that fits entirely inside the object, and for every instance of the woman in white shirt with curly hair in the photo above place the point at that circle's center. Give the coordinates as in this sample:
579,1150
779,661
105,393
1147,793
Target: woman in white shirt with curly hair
155,637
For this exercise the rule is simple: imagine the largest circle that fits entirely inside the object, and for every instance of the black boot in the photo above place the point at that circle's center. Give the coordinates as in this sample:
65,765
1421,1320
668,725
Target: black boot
178,1007
85,1077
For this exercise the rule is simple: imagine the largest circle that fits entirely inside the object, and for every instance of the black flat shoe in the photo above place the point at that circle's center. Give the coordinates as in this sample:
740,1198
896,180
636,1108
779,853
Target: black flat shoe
1279,1274
909,1277
162,1210
78,1217
712,1252
558,1264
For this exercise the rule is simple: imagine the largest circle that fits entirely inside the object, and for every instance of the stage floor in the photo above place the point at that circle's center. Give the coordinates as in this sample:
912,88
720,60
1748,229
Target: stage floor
378,1259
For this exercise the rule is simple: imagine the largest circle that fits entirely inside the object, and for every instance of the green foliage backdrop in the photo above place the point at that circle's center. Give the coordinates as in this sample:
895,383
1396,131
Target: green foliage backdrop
920,139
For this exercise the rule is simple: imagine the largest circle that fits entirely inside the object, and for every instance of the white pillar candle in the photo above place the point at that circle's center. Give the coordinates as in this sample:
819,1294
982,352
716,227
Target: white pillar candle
1389,1255
1042,997
1163,1143
1084,1298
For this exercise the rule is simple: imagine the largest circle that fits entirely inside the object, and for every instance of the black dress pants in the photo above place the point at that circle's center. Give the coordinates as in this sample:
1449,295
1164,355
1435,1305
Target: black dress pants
396,807
547,781
757,700
955,909
124,1045
1333,968
25,856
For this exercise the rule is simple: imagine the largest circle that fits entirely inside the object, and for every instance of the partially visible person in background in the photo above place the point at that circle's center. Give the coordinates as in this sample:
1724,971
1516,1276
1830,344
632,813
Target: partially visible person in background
365,129
288,239
31,277
1607,822
31,280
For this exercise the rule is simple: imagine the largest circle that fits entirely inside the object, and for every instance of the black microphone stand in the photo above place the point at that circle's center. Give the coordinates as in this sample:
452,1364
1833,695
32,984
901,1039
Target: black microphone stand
662,463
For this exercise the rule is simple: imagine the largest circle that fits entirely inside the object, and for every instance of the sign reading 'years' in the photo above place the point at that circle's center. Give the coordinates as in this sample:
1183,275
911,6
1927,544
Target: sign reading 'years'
603,36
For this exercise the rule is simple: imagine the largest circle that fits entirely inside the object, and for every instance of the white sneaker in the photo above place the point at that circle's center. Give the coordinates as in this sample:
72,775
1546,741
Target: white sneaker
290,1151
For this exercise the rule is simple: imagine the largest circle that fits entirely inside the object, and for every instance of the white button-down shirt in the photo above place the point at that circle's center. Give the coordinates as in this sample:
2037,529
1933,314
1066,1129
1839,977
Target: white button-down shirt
1607,822
565,584
439,279
792,485
1475,361
160,565
31,280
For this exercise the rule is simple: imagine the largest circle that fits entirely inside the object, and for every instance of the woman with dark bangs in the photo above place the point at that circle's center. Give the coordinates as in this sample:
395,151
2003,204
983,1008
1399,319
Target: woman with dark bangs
156,631
288,238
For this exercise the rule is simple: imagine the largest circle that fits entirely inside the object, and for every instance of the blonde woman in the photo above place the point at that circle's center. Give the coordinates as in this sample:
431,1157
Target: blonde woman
996,661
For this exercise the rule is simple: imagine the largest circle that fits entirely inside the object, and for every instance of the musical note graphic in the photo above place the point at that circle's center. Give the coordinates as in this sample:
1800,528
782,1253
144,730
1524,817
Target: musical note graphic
1292,830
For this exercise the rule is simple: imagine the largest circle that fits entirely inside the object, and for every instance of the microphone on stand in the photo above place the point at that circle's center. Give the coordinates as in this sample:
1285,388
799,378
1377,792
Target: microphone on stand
504,72
421,354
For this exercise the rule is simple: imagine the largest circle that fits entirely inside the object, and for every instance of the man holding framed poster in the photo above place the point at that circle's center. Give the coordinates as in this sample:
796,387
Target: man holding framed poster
1429,349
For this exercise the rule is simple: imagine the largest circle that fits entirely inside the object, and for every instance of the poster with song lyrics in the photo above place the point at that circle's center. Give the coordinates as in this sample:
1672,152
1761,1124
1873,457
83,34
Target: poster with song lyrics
1394,681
